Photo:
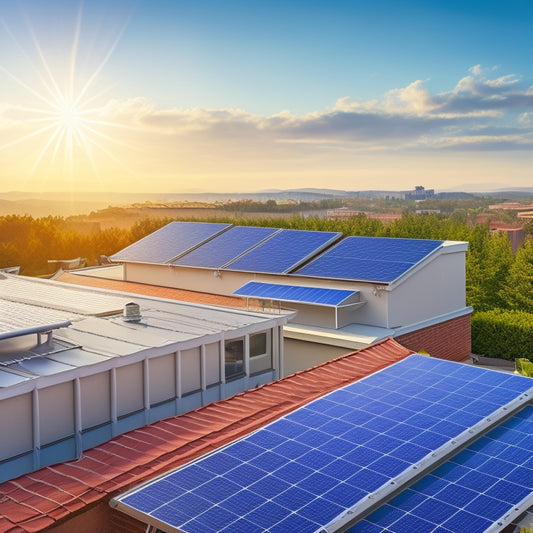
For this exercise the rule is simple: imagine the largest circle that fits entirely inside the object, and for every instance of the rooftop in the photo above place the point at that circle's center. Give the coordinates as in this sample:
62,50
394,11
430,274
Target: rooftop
88,326
52,494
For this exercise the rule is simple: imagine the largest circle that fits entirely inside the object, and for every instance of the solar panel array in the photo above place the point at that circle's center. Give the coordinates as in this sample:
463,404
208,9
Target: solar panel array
279,251
369,258
169,242
328,462
283,251
294,293
226,247
474,490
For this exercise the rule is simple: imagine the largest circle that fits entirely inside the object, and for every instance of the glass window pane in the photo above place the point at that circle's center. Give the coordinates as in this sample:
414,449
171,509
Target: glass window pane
234,358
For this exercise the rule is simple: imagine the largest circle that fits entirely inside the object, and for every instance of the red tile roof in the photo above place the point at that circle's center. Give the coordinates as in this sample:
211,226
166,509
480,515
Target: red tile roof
152,290
36,501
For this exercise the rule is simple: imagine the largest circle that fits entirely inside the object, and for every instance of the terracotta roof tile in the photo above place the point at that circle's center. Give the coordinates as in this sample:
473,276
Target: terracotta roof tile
152,290
36,501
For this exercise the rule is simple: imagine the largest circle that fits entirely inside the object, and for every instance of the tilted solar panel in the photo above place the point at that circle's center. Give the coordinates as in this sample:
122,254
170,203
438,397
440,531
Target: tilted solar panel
294,293
169,242
225,247
369,258
328,463
283,251
488,483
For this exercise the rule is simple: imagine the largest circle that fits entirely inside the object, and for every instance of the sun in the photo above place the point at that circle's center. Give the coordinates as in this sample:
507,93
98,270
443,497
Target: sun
70,118
62,115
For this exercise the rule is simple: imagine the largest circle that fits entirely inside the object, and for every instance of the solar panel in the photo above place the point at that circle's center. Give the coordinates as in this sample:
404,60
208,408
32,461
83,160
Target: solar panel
284,251
295,293
169,242
226,247
375,259
330,461
489,482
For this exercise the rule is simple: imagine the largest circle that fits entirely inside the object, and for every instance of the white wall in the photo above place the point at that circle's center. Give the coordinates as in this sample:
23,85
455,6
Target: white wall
300,355
438,288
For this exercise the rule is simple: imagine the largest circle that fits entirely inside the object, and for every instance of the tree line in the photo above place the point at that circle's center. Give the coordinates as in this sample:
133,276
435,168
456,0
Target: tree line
496,278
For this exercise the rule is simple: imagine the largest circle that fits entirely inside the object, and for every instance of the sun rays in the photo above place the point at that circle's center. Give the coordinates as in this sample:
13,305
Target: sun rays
64,117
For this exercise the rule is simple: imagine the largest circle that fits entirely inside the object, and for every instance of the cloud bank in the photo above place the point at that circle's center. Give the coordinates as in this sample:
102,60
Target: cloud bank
480,113
408,132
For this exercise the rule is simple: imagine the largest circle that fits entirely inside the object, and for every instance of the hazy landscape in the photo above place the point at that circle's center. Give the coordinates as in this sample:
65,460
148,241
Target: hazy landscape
39,204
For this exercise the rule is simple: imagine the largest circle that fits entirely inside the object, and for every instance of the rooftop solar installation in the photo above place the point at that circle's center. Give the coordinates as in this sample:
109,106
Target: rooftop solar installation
226,247
295,293
326,465
284,251
169,242
489,483
375,259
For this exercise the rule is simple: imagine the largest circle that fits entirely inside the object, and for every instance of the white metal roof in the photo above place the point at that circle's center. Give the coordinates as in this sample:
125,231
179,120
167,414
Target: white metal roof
28,305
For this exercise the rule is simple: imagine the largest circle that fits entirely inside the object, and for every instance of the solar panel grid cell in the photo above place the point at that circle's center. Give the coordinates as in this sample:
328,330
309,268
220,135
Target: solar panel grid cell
169,242
469,487
283,251
226,247
346,439
369,258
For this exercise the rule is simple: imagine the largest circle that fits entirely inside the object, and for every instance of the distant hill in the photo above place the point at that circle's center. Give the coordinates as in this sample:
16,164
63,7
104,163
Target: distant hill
66,204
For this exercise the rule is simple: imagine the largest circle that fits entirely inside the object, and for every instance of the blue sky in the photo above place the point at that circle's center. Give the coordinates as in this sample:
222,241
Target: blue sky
249,95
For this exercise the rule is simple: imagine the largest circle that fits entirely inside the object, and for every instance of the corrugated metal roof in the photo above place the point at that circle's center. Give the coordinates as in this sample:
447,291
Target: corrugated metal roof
15,316
47,294
162,323
296,293
52,494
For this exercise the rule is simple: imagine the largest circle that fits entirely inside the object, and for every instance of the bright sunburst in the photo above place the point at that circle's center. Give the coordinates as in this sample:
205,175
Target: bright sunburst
63,116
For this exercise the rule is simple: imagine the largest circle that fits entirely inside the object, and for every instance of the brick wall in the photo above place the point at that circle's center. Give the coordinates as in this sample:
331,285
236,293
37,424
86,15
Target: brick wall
100,518
448,340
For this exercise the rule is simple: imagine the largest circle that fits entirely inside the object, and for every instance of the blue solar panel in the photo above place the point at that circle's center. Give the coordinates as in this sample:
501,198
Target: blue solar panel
169,242
225,247
369,258
283,251
328,457
294,293
473,490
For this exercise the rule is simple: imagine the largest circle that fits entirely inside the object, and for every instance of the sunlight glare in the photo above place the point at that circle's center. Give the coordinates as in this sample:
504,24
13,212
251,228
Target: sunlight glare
60,114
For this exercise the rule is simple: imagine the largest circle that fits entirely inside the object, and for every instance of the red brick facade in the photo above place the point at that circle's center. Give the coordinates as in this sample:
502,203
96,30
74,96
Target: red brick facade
448,340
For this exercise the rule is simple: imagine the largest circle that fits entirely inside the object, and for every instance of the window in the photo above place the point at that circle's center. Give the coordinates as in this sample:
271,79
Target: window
234,358
258,344
260,352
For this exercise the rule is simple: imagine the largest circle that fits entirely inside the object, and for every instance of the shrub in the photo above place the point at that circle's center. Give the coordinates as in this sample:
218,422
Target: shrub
524,367
502,333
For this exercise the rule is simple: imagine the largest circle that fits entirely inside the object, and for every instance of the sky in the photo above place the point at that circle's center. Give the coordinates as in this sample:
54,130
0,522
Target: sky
251,95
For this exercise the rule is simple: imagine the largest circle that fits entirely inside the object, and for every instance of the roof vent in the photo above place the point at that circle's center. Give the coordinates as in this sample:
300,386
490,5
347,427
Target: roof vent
132,312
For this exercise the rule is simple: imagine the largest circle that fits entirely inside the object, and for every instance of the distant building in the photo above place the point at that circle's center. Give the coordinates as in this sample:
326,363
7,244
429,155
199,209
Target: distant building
515,235
420,193
343,213
526,215
511,206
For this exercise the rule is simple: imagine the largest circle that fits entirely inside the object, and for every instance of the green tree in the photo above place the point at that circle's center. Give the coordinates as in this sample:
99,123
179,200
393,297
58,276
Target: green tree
488,262
517,291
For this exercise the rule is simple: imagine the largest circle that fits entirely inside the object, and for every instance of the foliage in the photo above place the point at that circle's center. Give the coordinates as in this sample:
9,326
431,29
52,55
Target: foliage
517,291
503,333
30,243
524,366
489,260
499,285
